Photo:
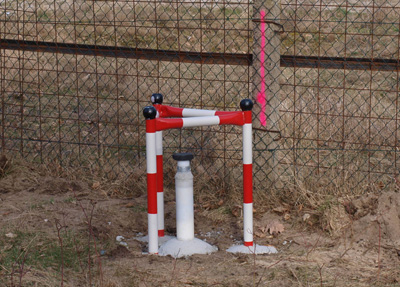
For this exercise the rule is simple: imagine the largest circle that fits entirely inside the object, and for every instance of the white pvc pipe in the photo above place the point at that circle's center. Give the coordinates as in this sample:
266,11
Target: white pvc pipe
184,202
183,165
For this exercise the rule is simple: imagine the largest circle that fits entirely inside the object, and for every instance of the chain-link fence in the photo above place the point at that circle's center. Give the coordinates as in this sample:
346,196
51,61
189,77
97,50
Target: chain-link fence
338,110
75,76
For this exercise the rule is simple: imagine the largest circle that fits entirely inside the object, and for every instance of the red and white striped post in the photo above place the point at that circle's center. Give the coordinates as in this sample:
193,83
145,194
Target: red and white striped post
160,184
246,106
157,100
151,161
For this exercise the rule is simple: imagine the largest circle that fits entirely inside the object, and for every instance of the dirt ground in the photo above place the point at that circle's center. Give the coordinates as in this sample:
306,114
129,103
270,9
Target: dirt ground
43,215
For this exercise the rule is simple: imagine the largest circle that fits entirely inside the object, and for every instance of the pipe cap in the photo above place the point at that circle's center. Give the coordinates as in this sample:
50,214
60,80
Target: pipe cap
182,156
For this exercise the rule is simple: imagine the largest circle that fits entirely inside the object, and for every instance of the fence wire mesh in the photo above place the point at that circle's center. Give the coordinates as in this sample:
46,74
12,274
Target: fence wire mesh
339,100
75,76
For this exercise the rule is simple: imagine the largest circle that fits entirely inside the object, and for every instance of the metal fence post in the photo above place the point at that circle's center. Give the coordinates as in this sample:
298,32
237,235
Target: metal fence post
265,87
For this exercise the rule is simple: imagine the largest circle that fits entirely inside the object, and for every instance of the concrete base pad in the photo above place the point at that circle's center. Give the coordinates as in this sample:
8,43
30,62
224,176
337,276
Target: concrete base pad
255,249
177,248
161,240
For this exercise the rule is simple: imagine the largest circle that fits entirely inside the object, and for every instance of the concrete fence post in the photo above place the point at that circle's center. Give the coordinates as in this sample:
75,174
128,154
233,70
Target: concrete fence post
265,88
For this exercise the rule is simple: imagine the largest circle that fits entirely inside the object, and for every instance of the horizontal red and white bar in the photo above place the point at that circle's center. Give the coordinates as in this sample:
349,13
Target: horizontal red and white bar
236,118
168,112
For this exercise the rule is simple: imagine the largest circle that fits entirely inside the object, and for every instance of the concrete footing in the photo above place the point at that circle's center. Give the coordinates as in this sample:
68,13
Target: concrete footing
255,249
179,248
161,240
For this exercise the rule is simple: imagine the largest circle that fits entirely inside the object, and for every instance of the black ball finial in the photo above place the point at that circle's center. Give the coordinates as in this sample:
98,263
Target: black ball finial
157,98
149,113
246,105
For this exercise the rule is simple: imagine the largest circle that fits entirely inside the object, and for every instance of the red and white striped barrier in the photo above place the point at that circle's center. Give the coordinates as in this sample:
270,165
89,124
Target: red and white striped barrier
156,122
151,161
247,179
164,111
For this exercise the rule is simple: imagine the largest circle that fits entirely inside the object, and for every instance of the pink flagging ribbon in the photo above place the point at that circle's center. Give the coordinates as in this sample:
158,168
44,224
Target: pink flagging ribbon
261,96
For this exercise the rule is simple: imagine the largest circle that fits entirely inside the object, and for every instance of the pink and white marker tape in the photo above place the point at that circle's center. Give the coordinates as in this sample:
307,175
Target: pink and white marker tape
261,96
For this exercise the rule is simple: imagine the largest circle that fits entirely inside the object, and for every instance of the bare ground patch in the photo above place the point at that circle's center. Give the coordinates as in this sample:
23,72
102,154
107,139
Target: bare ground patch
57,228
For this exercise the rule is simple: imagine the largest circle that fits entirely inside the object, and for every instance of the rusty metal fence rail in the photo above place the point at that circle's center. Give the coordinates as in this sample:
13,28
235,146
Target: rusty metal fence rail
75,76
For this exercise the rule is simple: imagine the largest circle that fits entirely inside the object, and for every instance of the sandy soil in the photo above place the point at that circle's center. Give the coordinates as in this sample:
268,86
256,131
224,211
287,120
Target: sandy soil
364,252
